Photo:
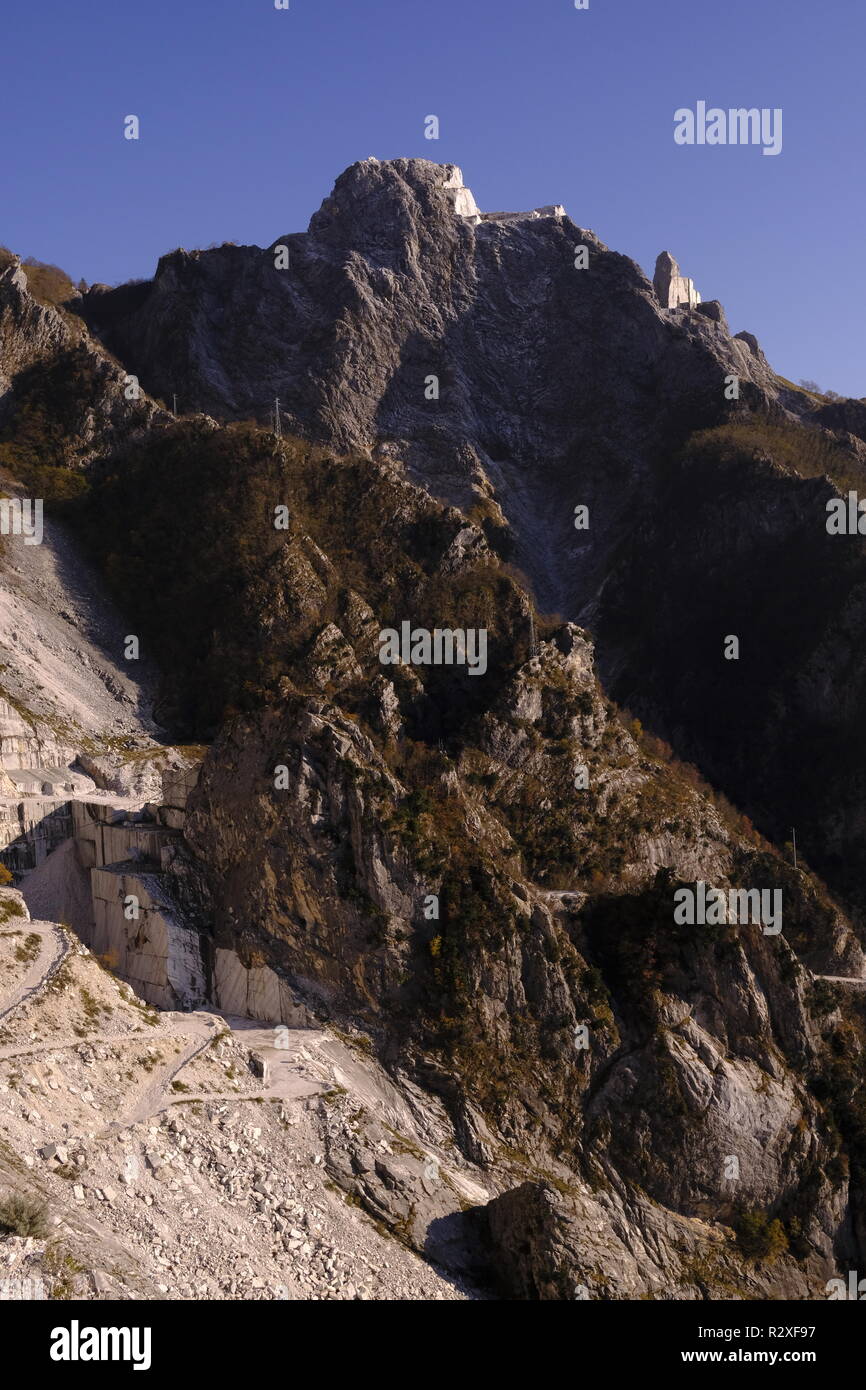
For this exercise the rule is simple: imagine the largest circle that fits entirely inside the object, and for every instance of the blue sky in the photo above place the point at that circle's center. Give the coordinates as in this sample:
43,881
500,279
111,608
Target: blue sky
248,114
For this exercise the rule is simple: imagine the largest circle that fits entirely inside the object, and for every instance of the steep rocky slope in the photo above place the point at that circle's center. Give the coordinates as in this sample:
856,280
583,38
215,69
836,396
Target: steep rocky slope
474,875
780,727
62,644
62,396
473,870
554,384
514,377
154,1161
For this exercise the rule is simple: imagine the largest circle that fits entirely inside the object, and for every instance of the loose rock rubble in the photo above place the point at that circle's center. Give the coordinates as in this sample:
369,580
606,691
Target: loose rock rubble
186,1183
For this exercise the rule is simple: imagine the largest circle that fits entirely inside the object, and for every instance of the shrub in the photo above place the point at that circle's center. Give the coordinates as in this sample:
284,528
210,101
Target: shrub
759,1237
23,1216
798,448
6,876
48,416
823,998
47,283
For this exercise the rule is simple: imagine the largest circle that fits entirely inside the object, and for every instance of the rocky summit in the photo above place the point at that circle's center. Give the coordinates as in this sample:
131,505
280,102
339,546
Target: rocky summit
431,829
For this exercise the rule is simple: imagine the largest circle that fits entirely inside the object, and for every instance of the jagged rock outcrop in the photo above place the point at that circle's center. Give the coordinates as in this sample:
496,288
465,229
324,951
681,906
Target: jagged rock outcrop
52,371
672,287
673,1086
392,286
554,911
566,1242
558,388
481,873
341,796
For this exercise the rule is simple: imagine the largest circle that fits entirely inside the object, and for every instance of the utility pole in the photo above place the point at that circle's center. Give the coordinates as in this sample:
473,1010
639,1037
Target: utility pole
277,425
174,398
532,646
794,844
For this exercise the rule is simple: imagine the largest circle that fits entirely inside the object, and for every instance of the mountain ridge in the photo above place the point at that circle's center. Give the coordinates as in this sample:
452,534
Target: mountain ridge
339,801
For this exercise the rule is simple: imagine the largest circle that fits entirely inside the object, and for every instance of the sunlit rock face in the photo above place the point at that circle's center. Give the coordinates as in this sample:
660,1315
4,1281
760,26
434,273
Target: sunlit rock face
673,288
478,874
480,349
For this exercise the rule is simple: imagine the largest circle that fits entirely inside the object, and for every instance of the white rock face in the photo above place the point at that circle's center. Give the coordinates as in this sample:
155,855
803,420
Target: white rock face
86,873
159,956
156,951
464,203
549,210
671,287
256,992
104,836
61,649
31,828
27,745
84,856
466,206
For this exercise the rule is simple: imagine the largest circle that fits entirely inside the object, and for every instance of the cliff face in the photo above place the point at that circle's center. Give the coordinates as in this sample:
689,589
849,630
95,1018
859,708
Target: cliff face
481,872
63,398
473,871
554,385
778,727
510,373
574,1032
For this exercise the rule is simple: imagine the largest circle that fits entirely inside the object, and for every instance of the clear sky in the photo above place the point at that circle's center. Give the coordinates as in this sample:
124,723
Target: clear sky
248,114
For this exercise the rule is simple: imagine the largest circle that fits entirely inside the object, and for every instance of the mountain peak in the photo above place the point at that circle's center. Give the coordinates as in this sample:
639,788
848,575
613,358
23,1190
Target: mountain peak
375,202
387,191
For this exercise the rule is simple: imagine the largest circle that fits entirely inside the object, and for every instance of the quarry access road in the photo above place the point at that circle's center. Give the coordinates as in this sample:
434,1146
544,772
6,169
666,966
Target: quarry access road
54,948
200,1032
859,981
286,1077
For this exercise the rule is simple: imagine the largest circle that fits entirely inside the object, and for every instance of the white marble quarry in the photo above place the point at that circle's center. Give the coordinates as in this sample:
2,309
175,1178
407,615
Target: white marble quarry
110,854
550,210
47,781
682,291
24,744
31,828
159,956
254,992
106,834
464,203
671,286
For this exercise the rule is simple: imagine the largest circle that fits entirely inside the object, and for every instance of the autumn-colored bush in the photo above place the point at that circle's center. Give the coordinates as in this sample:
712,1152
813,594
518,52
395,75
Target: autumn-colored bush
759,1236
23,1216
48,412
800,449
47,283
